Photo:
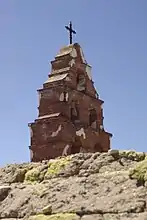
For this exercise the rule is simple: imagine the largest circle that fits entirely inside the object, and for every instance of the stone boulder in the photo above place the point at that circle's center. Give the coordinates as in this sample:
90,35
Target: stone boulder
84,186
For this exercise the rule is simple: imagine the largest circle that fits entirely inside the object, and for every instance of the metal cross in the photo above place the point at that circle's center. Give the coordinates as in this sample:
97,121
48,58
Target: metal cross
71,31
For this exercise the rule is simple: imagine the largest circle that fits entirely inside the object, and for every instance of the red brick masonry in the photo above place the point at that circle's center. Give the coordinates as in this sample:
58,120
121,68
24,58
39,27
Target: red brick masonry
70,116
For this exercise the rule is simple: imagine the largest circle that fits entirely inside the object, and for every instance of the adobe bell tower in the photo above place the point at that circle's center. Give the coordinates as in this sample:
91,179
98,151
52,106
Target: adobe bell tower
70,118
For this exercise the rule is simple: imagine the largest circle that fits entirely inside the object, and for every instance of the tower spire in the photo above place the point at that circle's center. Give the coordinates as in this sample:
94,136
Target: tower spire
71,31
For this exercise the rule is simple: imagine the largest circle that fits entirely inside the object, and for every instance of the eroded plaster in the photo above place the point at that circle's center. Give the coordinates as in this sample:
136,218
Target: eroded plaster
39,96
60,70
73,53
31,132
65,150
101,127
31,154
72,62
81,133
67,79
67,96
94,125
82,56
55,133
61,98
88,71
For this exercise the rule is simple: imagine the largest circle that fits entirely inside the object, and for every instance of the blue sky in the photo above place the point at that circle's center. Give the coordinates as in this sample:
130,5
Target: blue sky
113,35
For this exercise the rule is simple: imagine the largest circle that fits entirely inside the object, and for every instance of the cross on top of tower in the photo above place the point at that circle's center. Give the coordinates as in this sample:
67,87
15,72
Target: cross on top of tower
71,31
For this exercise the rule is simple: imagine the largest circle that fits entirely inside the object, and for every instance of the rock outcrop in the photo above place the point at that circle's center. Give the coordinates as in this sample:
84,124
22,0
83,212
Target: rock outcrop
99,186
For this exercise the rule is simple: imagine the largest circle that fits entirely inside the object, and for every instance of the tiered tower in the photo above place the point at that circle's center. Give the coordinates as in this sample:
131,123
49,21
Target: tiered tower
70,116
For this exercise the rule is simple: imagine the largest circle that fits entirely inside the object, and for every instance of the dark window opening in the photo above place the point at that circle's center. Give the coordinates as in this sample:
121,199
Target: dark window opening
64,96
93,118
74,112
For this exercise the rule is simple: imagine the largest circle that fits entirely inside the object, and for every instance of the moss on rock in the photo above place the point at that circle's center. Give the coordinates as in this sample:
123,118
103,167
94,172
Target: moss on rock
132,155
34,175
139,172
56,166
62,216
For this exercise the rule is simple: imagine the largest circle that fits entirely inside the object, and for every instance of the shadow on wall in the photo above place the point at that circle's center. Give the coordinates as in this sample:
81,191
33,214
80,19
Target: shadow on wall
76,147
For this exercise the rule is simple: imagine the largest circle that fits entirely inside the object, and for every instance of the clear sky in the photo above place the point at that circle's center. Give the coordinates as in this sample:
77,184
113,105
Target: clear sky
113,36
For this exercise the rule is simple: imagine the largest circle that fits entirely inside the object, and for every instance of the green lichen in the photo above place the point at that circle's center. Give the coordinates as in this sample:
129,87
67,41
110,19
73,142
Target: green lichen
34,175
56,166
139,172
132,155
62,216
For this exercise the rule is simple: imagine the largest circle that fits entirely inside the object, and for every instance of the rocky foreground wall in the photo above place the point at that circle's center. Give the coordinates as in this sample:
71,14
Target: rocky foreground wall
107,186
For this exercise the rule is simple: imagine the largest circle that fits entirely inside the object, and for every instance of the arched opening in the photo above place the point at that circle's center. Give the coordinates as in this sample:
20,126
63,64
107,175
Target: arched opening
81,82
93,118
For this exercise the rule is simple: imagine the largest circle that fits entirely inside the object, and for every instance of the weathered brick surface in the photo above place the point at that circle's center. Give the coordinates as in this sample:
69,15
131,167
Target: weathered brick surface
70,118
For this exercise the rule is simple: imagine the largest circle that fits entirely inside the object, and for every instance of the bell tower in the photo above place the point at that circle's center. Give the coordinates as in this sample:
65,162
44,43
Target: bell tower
70,118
